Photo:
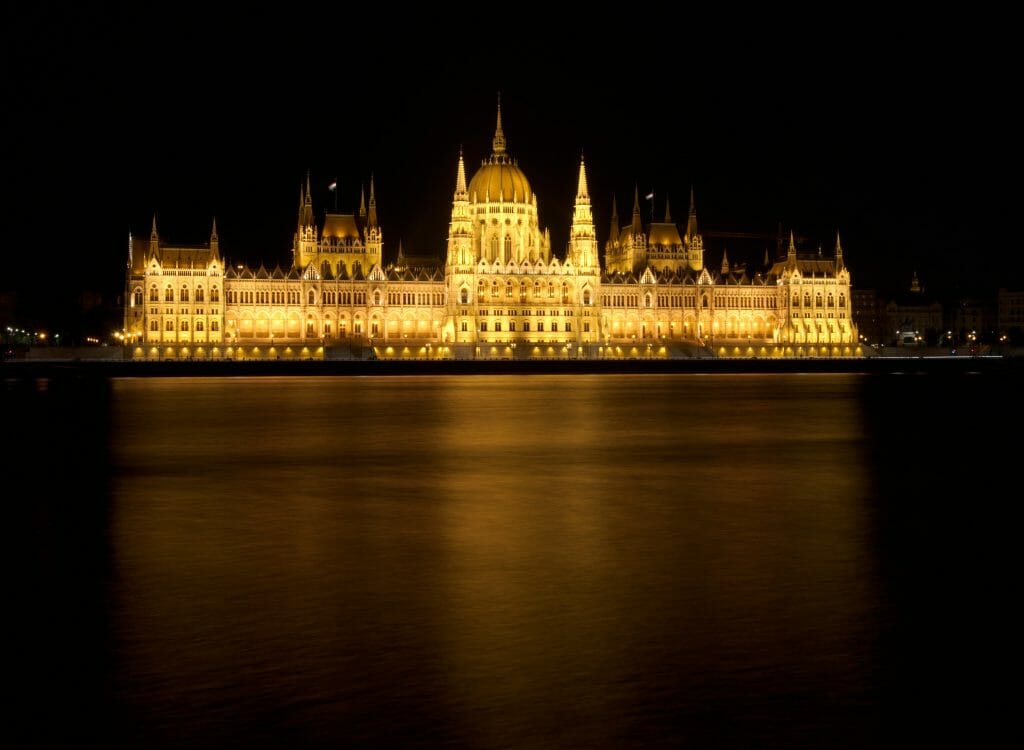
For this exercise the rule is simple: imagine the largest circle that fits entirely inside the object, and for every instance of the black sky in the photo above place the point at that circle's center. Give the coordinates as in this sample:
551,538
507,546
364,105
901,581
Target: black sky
898,134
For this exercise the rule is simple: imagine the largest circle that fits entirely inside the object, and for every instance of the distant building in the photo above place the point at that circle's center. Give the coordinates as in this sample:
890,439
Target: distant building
500,291
914,318
869,316
1010,314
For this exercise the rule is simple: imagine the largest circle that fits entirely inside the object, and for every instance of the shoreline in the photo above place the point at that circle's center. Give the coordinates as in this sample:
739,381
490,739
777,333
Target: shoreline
22,369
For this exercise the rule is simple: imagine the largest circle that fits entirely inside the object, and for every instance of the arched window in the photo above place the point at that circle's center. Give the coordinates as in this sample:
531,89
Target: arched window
551,289
586,296
464,296
310,329
199,325
376,298
565,292
137,297
508,289
817,300
831,300
184,325
312,298
522,291
184,294
842,301
214,295
168,294
796,300
508,248
647,300
154,294
807,299
154,325
494,247
199,294
494,288
169,325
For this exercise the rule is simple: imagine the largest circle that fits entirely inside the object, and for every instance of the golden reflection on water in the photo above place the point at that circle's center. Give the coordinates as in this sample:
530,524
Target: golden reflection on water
496,561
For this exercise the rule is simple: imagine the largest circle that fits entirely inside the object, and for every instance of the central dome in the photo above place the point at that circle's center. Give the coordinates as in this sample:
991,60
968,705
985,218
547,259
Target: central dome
500,178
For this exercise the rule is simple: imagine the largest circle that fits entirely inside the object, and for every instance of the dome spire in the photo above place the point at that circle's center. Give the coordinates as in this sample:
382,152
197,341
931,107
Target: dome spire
499,134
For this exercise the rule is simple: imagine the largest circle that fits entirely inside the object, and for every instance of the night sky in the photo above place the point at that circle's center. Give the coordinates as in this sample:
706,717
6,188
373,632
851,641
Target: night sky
896,135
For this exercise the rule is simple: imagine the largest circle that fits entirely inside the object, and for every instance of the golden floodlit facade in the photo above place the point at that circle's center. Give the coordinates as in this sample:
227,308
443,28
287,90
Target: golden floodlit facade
499,293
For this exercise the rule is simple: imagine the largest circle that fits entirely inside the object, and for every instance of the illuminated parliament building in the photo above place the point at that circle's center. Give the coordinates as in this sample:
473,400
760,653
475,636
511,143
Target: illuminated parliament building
500,293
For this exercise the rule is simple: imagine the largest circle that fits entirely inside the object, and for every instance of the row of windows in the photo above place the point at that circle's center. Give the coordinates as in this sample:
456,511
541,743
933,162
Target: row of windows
526,326
154,325
415,298
541,313
183,296
818,300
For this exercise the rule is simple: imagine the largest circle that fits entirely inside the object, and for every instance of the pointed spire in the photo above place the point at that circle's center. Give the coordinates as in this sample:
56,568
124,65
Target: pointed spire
309,193
691,221
668,213
839,253
792,246
613,235
499,134
636,201
371,219
213,234
460,180
152,233
767,262
362,200
581,186
725,262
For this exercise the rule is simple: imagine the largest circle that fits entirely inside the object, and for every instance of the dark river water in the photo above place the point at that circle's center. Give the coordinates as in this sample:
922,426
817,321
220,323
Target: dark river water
746,561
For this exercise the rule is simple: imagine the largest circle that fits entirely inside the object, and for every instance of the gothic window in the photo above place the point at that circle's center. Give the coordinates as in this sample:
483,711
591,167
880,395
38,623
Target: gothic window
312,298
137,297
310,326
494,247
526,326
586,296
508,289
508,248
214,325
565,292
199,325
154,325
154,295
168,294
169,326
483,326
214,295
184,294
842,300
199,294
376,298
551,289
464,296
184,325
817,300
494,288
647,300
831,301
